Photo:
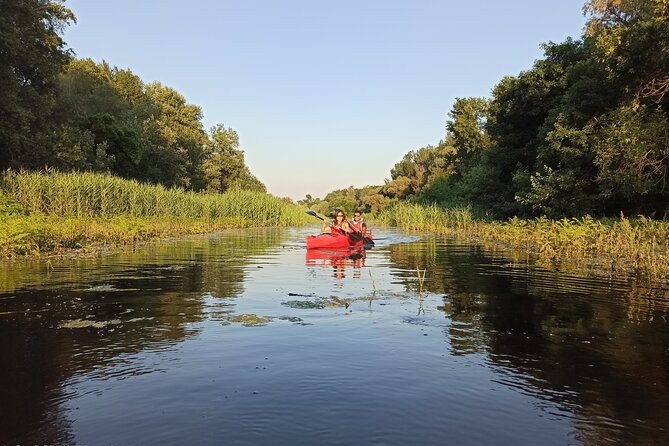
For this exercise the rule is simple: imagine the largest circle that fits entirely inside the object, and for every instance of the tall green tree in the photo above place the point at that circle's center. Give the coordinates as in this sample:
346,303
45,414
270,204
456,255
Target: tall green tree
466,127
605,151
176,140
32,53
584,130
631,146
419,168
91,109
224,169
632,41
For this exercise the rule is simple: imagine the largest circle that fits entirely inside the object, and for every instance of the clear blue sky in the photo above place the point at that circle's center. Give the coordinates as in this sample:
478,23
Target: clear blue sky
323,94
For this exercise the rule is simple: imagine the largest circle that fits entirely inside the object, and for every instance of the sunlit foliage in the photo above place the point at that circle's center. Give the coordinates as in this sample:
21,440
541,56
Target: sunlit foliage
582,132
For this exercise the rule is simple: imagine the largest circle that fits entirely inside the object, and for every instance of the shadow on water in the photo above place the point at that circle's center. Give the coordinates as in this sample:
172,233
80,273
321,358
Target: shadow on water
243,336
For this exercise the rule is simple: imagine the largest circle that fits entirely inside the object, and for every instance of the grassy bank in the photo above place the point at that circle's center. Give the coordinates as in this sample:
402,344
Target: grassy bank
636,246
47,212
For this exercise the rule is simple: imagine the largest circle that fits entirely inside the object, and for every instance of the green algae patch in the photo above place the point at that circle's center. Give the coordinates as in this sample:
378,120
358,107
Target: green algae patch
319,304
334,301
251,320
291,318
304,304
82,323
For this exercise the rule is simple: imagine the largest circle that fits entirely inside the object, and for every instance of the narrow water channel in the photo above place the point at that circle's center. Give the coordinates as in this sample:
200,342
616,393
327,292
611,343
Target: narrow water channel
244,337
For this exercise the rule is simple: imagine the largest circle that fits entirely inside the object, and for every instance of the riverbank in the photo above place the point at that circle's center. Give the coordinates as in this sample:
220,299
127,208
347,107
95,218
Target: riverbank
637,247
43,235
50,213
47,213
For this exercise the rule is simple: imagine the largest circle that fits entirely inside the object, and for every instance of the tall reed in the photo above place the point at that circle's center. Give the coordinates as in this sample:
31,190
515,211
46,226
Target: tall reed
48,212
98,195
639,246
429,218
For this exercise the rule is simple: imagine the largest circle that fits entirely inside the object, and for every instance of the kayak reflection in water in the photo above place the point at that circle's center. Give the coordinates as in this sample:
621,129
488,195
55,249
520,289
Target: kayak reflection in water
339,260
339,265
340,225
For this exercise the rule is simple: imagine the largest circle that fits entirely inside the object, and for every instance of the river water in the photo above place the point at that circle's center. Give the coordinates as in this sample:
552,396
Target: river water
245,338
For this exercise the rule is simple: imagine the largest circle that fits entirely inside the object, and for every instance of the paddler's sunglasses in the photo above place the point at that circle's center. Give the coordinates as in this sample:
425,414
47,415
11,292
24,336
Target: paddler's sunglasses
340,215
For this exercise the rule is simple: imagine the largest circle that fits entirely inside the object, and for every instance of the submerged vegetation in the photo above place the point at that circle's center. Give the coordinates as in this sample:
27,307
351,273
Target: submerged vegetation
47,212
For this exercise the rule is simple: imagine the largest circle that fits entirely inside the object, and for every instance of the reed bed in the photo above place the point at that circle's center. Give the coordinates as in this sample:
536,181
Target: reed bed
35,235
638,246
50,211
431,218
96,195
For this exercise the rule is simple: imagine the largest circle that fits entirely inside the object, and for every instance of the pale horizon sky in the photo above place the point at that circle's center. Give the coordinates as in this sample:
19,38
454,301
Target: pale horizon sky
323,95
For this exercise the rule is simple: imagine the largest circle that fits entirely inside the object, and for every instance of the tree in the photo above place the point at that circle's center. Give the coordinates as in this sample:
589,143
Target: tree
605,150
90,107
32,54
418,168
371,200
181,136
399,187
224,169
467,129
631,146
564,185
632,41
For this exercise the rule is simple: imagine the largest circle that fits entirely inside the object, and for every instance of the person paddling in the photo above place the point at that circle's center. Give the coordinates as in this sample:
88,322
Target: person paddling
340,225
358,223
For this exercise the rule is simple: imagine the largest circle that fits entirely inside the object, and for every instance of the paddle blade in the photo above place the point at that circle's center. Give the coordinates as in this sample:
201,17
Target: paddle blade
355,237
313,214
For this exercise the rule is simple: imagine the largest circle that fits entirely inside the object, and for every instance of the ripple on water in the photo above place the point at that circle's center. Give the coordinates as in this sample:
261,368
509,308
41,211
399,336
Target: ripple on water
491,351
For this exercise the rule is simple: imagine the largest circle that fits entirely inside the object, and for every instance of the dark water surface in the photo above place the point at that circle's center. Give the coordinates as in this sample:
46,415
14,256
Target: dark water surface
241,338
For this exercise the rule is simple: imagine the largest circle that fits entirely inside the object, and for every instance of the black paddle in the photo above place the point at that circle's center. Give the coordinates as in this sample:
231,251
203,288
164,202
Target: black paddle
313,214
355,237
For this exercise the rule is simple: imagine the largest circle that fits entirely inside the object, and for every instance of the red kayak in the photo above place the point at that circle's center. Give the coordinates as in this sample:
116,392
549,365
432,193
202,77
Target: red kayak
328,240
336,255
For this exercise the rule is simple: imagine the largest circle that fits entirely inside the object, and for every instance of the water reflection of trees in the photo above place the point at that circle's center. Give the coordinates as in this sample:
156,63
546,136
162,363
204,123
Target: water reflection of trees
596,347
148,299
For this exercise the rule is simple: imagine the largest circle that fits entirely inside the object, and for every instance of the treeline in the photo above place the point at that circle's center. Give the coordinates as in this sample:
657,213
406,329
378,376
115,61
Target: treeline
584,131
67,114
369,199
